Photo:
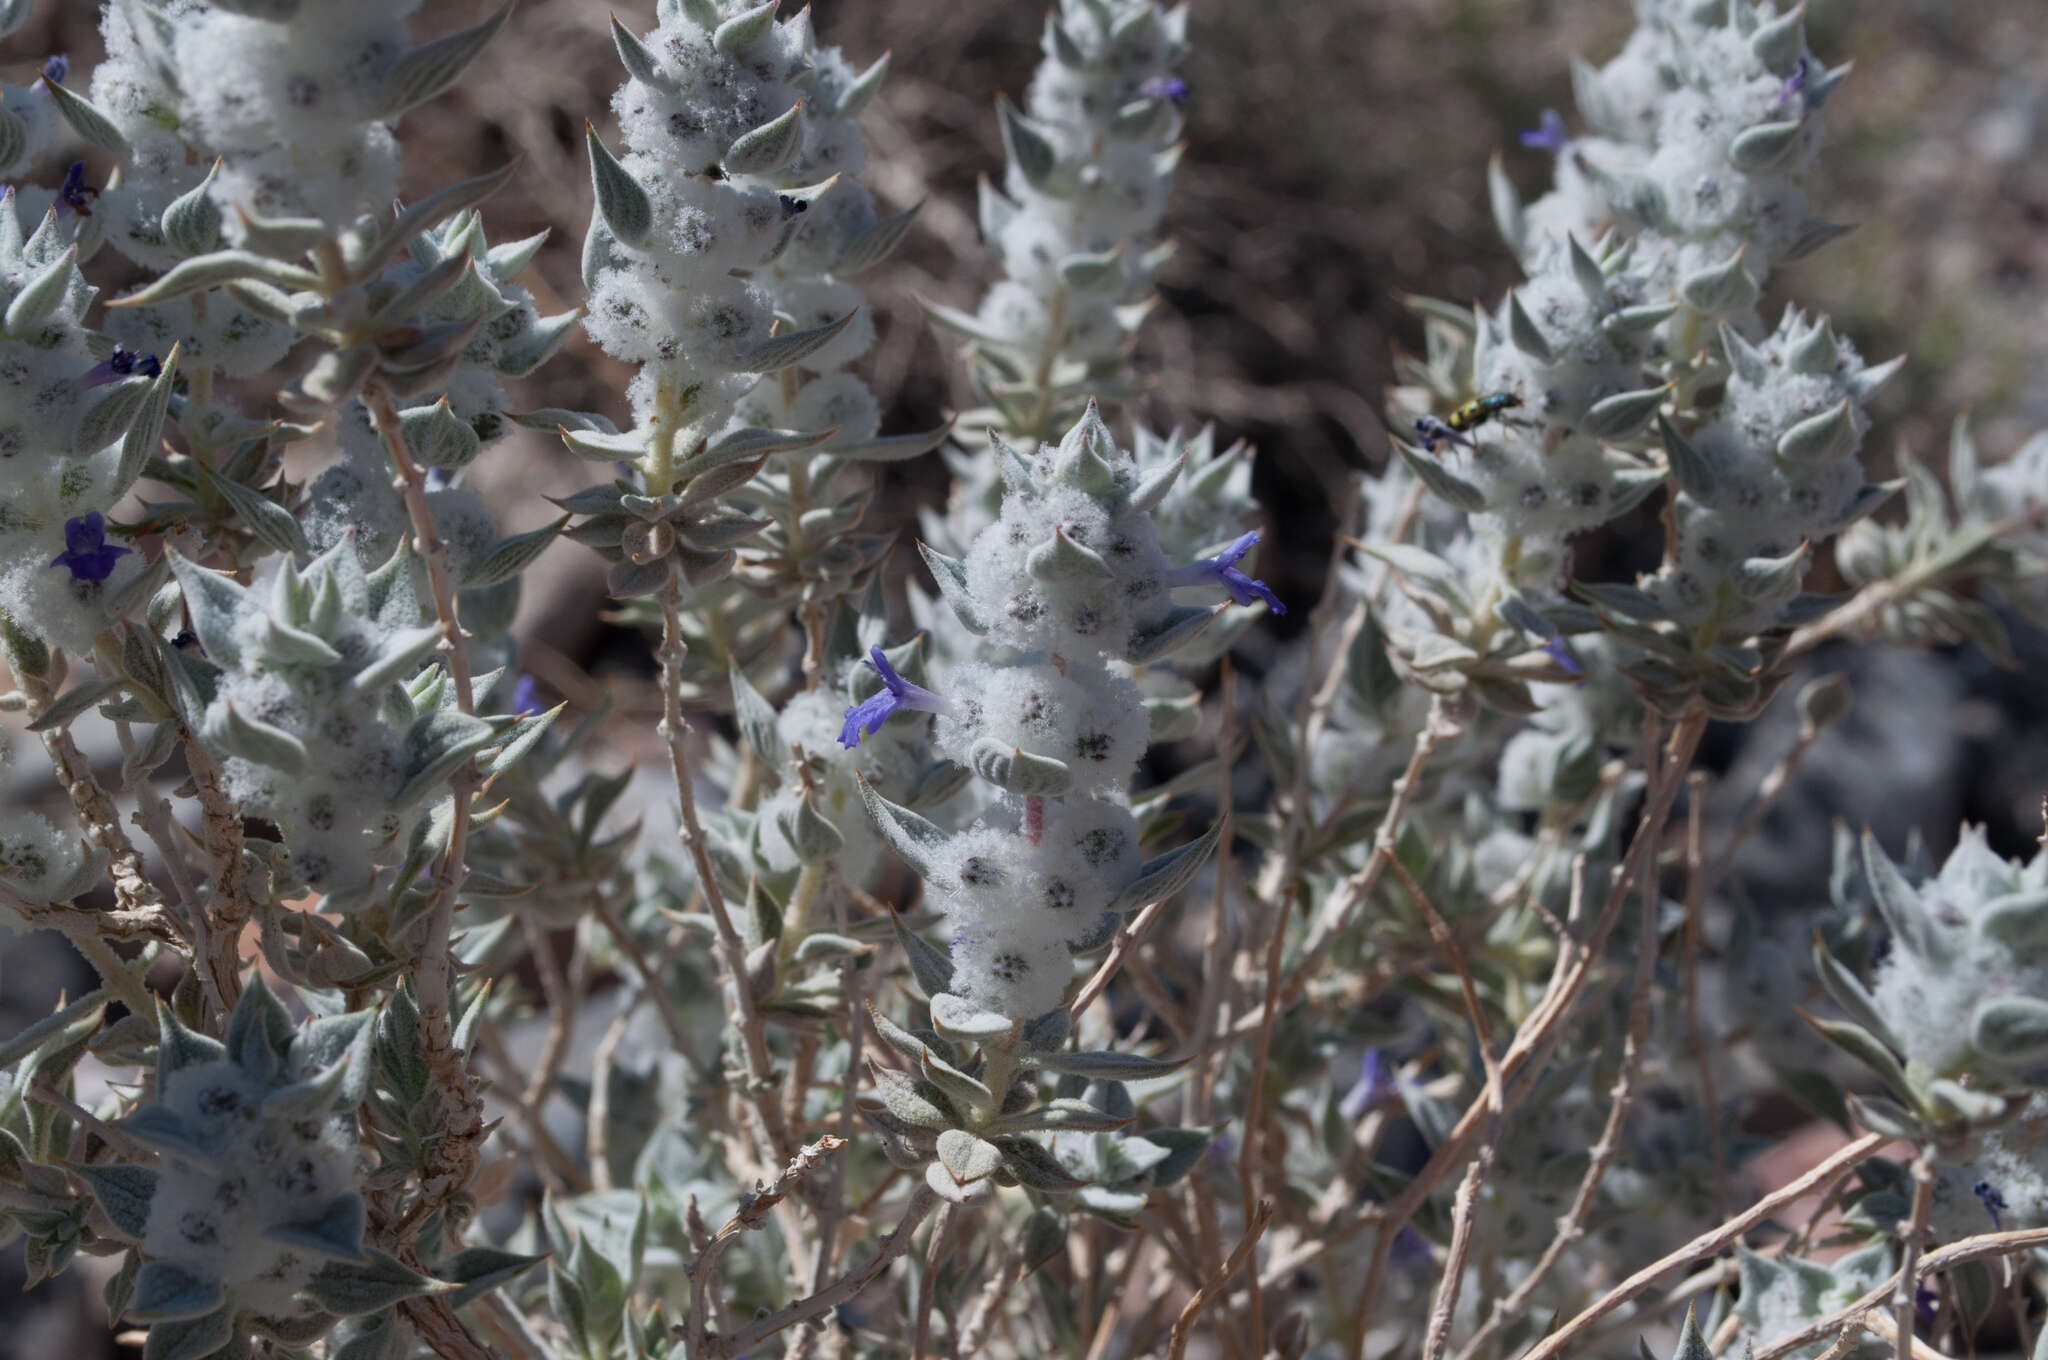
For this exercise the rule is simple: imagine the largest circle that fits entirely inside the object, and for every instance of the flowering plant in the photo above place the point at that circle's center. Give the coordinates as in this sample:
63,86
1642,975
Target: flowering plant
987,971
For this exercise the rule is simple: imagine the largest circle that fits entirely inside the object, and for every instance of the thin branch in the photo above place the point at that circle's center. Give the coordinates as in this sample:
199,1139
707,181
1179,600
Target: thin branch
1184,1325
920,1204
1707,1243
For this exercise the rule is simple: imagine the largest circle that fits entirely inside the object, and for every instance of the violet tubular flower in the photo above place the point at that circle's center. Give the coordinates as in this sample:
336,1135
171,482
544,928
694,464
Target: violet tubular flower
1375,1083
87,554
1561,652
867,716
121,364
55,68
74,193
1992,1200
1165,87
1548,135
1221,571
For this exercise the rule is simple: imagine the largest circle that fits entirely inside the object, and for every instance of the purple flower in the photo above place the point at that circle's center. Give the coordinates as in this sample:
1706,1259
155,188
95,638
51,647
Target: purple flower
436,479
1432,431
792,207
1221,570
1375,1083
1548,134
1993,1202
867,716
1794,83
74,193
1165,87
1925,1297
524,701
121,364
1561,652
56,67
86,551
1409,1245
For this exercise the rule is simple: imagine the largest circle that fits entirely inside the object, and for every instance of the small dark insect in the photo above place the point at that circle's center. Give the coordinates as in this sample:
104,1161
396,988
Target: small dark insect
1479,410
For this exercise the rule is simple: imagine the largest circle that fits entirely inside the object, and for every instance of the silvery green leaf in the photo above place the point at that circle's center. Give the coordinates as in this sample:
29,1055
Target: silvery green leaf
930,967
607,446
351,1289
168,1292
1884,1116
1071,1116
146,431
1626,601
1950,1100
426,214
1850,994
736,36
1184,1151
1813,234
192,221
425,288
1723,289
917,840
123,1194
1018,771
1026,147
1625,413
1506,202
254,740
179,1048
1827,435
1759,148
876,244
1862,1045
1447,485
541,342
2019,920
109,417
1105,1066
272,524
93,127
767,148
627,579
212,271
1690,468
757,719
40,295
432,67
784,351
13,14
1759,578
1160,877
438,744
621,202
966,1157
959,1087
189,1338
74,701
958,1018
965,323
951,575
1035,1167
891,448
2012,1030
815,839
947,1187
478,1270
400,655
336,1235
510,556
748,442
281,238
1524,332
1178,627
916,1103
640,63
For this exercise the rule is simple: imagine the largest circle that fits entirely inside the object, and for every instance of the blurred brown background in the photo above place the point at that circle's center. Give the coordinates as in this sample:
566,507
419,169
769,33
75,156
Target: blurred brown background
1337,154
